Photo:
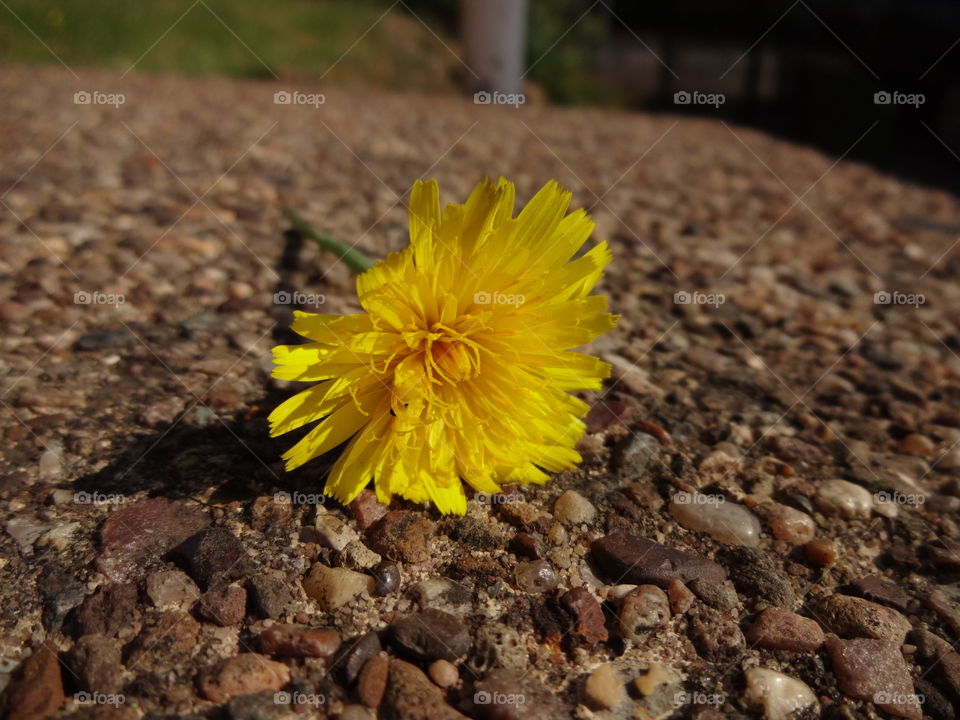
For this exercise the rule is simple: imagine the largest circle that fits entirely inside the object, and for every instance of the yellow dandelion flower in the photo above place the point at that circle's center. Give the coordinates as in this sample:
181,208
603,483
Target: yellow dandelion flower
461,368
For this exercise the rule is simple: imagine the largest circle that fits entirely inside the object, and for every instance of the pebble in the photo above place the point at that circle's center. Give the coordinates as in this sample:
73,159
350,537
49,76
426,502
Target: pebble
358,556
354,654
225,605
160,413
170,635
879,589
333,532
411,696
145,530
497,645
656,675
634,453
104,339
387,578
791,525
853,617
402,535
821,552
779,694
243,674
539,701
572,508
603,689
644,608
51,465
25,532
95,663
681,599
443,673
270,594
724,521
372,681
607,414
291,640
111,611
636,560
334,587
716,636
367,510
874,671
171,590
214,557
589,624
535,576
843,499
38,691
719,596
778,629
429,635
916,444
755,576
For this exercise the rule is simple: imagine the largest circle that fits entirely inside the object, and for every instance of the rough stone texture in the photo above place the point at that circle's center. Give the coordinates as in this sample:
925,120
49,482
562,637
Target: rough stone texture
95,661
214,557
644,608
411,696
716,636
37,692
270,594
143,531
874,670
755,575
224,605
496,690
852,617
243,674
110,611
587,614
402,535
778,629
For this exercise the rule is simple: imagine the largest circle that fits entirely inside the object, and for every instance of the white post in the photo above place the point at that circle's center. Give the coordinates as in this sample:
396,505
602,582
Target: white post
494,33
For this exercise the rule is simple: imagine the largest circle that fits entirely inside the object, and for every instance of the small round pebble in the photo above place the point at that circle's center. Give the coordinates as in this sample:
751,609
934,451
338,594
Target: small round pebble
779,694
791,525
443,673
644,608
724,521
536,576
844,499
573,508
603,689
821,552
386,577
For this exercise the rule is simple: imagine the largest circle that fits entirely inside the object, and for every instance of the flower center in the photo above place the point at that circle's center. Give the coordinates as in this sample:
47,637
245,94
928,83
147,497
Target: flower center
453,359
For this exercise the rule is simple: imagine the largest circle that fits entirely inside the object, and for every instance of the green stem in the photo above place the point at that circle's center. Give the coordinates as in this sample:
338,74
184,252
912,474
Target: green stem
351,256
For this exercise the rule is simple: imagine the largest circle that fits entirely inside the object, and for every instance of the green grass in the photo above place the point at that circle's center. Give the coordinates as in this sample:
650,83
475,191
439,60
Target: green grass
291,38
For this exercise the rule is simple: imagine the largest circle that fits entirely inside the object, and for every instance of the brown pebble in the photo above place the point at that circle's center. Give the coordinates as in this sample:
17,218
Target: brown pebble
297,641
821,552
680,597
778,629
372,681
443,673
243,674
402,535
38,692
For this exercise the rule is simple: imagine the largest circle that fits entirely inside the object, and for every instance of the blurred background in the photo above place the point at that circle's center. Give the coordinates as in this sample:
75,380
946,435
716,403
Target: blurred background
813,71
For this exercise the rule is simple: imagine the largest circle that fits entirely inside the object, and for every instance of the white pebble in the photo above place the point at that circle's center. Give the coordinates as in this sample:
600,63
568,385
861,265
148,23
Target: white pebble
780,695
572,508
839,497
724,521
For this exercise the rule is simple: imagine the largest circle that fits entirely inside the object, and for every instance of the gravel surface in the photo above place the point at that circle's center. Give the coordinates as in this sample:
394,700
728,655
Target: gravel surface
765,521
